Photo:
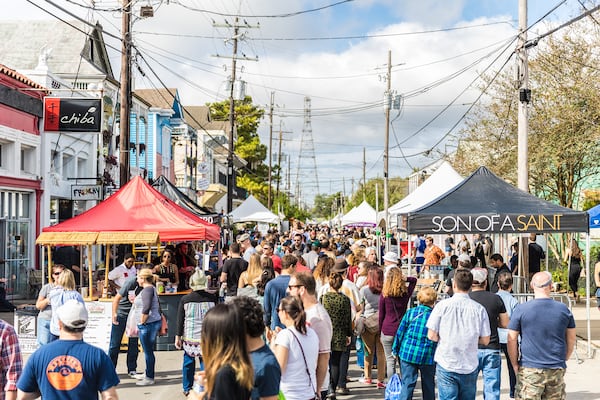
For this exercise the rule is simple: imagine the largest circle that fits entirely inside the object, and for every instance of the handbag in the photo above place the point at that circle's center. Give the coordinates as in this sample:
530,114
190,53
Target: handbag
372,322
359,325
131,327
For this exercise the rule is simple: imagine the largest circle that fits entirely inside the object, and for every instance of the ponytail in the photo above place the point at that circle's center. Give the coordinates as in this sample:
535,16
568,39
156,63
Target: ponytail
293,307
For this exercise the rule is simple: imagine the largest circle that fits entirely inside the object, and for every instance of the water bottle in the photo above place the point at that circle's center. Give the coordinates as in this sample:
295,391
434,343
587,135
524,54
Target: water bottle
198,388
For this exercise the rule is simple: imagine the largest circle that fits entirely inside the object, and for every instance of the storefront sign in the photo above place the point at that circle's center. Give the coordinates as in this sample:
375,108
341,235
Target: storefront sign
72,115
86,192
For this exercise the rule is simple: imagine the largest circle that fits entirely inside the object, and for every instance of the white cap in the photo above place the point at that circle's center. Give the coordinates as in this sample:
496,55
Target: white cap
73,314
390,256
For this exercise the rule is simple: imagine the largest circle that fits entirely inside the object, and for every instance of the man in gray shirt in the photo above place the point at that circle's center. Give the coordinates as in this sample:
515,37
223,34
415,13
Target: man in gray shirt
458,324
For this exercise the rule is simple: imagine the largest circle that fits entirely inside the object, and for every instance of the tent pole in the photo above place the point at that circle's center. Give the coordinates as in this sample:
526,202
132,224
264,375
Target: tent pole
49,263
587,294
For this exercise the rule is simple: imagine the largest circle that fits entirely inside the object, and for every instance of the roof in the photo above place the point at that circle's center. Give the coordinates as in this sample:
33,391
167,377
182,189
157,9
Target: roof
159,98
197,116
164,186
361,215
20,77
252,210
70,50
139,207
485,203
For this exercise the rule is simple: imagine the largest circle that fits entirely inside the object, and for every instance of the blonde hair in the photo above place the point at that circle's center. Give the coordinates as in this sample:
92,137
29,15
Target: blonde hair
147,275
254,269
394,284
223,342
66,279
427,296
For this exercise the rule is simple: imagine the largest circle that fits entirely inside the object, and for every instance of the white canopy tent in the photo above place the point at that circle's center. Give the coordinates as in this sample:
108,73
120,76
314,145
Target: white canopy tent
252,210
442,180
361,215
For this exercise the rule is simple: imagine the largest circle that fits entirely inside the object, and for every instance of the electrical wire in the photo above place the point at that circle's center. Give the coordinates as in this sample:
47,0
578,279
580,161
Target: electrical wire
284,15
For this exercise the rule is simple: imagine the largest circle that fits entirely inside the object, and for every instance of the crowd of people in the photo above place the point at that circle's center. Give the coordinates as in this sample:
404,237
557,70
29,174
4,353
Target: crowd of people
288,310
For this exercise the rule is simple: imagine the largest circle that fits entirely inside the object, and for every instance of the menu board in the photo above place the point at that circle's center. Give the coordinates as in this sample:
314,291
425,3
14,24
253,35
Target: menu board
97,332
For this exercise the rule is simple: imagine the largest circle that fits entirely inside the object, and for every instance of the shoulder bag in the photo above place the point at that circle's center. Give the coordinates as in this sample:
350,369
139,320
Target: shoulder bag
317,395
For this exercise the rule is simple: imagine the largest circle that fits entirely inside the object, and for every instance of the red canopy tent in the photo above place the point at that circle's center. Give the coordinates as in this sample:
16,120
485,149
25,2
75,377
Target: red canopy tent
137,206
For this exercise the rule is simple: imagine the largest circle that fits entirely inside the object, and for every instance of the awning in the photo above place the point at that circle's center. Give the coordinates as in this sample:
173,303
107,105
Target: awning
212,195
134,237
67,238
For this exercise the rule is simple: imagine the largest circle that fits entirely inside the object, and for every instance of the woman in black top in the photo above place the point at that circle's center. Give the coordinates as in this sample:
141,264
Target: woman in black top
228,373
167,271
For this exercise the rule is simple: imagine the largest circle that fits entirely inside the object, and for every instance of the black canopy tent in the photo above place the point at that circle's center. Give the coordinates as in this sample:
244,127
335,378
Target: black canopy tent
484,203
164,186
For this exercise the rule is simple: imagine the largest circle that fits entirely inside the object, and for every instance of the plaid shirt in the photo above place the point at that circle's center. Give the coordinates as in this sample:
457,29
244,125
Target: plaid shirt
10,359
411,343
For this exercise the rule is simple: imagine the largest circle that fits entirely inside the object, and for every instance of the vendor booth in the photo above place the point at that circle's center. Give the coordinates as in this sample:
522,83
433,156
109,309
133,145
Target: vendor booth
252,210
136,214
484,203
362,215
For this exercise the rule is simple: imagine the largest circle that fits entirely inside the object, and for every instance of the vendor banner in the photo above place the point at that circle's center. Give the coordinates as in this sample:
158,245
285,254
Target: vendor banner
72,114
496,223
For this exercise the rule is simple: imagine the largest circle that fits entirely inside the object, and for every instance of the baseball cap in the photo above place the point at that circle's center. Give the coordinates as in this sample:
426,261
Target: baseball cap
479,275
464,257
243,237
73,314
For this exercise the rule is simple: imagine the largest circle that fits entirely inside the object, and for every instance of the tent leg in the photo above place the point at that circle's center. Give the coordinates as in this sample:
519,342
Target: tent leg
587,295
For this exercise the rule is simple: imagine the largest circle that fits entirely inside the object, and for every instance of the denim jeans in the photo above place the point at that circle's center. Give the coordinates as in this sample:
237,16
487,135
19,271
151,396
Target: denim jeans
409,380
512,376
43,332
148,333
345,363
490,363
390,359
116,336
189,369
455,386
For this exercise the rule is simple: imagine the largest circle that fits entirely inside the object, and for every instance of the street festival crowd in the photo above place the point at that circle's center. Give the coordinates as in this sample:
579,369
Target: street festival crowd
278,315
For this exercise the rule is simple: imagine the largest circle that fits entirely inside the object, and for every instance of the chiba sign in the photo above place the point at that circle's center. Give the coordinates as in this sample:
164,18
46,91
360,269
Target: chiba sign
72,115
500,223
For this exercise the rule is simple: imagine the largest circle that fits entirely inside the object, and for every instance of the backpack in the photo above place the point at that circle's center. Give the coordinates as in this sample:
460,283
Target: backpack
422,245
393,388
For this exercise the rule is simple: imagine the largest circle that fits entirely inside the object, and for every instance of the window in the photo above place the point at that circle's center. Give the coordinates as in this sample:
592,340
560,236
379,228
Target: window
28,163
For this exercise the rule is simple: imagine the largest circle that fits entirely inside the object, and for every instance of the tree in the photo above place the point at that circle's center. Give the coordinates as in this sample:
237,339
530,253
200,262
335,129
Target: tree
564,130
326,205
398,189
253,178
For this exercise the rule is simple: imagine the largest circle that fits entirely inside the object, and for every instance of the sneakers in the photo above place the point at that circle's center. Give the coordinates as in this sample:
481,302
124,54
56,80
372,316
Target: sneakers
343,391
380,385
145,381
366,381
136,375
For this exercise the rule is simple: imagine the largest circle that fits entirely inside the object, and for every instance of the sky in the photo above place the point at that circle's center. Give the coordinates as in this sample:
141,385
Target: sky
334,52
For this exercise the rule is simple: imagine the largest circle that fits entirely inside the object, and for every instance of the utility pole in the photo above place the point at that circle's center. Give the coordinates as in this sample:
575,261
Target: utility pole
387,105
281,132
231,151
270,147
364,174
524,98
125,95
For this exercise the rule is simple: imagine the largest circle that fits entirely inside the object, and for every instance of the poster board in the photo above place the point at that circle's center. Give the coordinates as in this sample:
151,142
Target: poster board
26,325
99,325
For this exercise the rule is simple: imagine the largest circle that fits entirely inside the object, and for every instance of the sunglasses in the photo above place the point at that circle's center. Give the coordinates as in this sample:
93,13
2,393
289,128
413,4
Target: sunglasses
294,286
56,273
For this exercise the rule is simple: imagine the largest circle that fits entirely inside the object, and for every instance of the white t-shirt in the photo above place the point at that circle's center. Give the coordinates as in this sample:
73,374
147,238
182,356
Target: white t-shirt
121,273
295,384
318,319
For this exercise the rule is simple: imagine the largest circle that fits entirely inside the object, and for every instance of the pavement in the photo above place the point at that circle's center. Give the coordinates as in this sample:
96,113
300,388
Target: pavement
582,370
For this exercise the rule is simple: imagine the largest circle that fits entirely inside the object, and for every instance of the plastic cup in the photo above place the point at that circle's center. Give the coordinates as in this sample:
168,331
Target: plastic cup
174,289
131,295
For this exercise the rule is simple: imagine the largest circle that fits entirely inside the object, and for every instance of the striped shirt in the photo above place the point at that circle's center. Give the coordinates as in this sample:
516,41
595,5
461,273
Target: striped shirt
411,344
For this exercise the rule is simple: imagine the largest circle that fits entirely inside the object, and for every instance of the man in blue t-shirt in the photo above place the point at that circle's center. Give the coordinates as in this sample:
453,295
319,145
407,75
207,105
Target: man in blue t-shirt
547,330
69,368
267,372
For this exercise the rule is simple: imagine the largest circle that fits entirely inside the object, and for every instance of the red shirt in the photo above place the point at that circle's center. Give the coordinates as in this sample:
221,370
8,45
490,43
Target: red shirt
276,263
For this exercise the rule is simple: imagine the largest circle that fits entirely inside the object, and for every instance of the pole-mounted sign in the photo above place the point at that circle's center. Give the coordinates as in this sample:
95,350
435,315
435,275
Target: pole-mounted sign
72,115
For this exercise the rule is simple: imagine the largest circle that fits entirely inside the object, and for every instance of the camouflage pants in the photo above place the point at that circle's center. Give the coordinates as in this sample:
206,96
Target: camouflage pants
538,384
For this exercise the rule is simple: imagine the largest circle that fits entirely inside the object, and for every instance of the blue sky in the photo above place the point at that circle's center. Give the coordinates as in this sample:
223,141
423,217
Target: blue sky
342,77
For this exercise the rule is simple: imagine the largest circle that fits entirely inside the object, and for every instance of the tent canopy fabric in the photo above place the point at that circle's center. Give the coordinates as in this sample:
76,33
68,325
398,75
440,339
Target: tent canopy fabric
164,186
594,214
361,215
252,210
485,203
442,180
139,207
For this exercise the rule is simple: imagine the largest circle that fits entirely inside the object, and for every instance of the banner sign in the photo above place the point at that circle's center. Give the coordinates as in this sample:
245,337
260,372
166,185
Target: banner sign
86,192
498,223
72,115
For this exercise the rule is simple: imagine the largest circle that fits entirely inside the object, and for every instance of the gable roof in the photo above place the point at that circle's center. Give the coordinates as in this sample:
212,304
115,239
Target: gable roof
485,203
71,50
197,116
139,207
159,98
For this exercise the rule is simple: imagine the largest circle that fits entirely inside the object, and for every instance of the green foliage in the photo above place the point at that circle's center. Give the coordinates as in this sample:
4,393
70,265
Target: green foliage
564,119
326,205
398,189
